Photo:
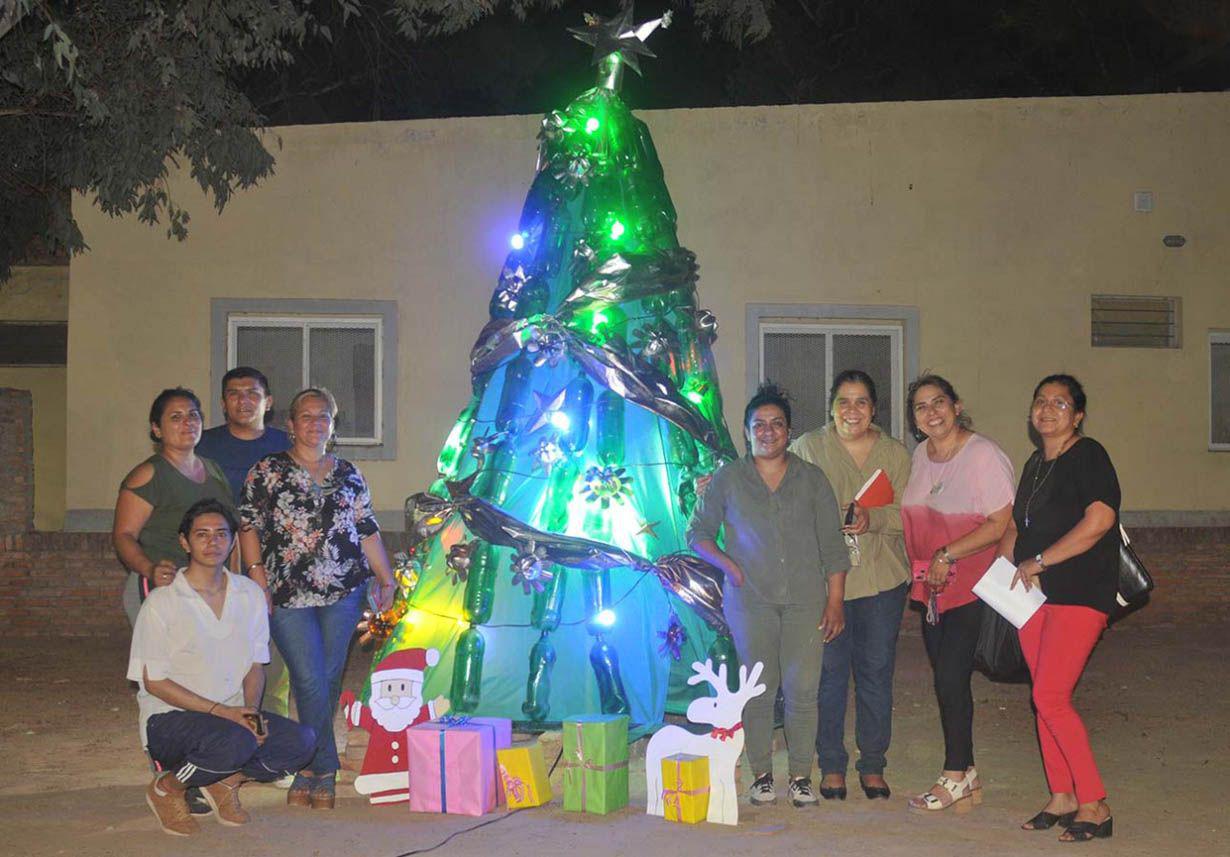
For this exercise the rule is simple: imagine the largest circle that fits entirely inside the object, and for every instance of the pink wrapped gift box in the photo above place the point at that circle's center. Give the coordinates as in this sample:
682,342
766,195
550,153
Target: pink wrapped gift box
452,767
503,740
501,725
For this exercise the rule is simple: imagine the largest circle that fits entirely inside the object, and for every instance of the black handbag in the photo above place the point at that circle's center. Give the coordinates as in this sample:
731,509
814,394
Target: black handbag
997,655
1135,582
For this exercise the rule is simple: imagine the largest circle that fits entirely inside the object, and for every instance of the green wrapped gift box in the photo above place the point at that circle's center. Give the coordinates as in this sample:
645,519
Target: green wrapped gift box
596,763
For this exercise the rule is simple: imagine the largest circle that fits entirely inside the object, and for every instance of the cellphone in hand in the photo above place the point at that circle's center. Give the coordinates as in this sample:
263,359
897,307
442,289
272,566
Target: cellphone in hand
849,514
258,723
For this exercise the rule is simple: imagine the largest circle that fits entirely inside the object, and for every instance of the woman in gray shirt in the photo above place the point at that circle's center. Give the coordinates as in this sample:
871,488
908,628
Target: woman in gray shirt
785,565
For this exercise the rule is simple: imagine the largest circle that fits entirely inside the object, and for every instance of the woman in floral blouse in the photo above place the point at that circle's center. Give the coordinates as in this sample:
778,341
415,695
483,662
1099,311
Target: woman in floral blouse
310,539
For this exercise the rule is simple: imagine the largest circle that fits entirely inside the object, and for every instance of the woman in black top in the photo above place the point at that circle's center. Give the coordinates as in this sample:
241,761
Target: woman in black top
1064,537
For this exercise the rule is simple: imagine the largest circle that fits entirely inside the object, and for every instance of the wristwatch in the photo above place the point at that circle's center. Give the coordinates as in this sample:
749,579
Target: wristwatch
1038,560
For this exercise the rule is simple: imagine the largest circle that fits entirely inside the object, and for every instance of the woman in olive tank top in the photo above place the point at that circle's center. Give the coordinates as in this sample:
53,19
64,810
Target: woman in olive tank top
155,495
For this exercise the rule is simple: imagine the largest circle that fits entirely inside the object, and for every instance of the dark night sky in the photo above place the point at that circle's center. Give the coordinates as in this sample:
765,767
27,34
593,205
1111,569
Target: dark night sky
818,51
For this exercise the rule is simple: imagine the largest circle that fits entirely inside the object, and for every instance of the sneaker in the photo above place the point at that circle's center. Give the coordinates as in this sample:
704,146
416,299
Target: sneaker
762,790
223,798
801,793
171,810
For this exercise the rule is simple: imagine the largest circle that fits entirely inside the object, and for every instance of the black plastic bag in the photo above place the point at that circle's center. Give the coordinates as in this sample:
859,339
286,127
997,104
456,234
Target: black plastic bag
998,653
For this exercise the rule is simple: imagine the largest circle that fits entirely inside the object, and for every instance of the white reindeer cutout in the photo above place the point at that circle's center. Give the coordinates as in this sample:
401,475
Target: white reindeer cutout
722,744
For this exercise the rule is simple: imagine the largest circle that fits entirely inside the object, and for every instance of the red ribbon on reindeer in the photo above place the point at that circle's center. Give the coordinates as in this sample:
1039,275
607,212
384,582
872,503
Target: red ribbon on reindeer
725,734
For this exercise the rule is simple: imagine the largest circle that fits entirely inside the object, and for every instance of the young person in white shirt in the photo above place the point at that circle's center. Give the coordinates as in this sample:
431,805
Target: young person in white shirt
198,650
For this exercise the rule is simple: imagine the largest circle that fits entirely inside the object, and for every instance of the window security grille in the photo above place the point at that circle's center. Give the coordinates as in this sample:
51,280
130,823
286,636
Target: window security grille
1129,321
342,354
804,358
1219,391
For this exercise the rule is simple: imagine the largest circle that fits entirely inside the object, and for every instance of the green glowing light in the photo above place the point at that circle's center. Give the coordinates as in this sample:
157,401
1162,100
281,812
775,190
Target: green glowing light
695,396
617,229
591,124
597,322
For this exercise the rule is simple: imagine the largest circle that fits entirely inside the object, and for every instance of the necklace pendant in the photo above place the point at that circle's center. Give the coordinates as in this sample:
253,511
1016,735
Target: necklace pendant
1027,522
937,488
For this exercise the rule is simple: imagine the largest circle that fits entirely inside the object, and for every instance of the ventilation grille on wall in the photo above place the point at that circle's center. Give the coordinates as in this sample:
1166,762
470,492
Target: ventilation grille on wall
33,343
1131,321
1219,391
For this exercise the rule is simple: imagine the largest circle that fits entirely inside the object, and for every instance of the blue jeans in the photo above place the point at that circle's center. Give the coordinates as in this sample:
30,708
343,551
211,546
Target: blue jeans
202,749
314,642
868,648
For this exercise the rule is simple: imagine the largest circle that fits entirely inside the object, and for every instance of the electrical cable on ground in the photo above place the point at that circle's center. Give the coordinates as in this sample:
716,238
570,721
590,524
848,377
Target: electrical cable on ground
478,826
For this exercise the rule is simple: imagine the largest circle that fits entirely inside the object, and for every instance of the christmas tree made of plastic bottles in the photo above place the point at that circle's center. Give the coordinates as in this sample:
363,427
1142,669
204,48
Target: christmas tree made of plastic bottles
595,408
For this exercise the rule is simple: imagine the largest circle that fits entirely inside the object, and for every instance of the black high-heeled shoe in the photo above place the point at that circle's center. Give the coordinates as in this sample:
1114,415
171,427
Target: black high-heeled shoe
1083,831
832,792
874,792
1046,820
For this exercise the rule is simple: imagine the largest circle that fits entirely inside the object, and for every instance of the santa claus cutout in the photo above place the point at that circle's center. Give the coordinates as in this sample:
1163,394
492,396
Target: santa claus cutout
396,704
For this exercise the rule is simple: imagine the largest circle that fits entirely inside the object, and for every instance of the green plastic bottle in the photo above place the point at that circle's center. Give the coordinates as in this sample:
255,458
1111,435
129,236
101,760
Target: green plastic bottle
537,703
480,585
468,671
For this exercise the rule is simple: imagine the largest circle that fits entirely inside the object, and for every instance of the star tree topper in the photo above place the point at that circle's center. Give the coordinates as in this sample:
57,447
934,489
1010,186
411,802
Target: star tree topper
618,35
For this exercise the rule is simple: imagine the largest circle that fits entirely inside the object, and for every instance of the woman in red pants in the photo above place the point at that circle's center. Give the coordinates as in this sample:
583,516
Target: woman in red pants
1064,538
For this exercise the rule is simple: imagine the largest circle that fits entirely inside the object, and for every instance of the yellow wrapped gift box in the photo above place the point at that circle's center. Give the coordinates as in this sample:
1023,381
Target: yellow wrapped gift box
523,776
685,788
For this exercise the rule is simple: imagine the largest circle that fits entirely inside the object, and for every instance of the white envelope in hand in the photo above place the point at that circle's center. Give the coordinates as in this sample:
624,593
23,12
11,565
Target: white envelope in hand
1015,605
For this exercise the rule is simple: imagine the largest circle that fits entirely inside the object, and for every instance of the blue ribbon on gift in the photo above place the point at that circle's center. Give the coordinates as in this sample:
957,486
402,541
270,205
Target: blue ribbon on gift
443,789
450,720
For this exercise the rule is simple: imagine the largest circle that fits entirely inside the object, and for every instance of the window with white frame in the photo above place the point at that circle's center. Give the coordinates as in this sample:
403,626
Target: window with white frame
805,356
1219,391
340,353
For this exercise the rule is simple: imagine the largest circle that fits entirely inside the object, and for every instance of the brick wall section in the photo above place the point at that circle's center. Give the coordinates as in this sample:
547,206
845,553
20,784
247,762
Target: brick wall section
1191,570
60,584
16,460
68,584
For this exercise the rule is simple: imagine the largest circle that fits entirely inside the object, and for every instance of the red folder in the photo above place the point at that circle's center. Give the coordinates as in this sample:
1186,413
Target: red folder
876,491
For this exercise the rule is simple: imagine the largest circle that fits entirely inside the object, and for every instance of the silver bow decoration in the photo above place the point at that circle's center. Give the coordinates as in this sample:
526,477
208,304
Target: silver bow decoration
508,292
529,569
573,170
547,454
656,340
460,557
704,321
554,128
545,347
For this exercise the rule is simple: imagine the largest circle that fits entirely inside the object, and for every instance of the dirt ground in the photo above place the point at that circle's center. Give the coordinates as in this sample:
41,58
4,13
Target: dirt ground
1154,697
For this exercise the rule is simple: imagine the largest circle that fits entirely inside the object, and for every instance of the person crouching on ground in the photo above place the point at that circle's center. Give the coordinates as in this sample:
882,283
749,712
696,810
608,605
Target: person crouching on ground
198,650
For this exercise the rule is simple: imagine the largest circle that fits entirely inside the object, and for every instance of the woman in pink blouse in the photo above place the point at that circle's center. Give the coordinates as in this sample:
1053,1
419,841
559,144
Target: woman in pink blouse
954,510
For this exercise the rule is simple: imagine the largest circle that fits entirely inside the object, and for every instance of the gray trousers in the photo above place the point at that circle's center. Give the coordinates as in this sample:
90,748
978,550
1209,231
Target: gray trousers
787,640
